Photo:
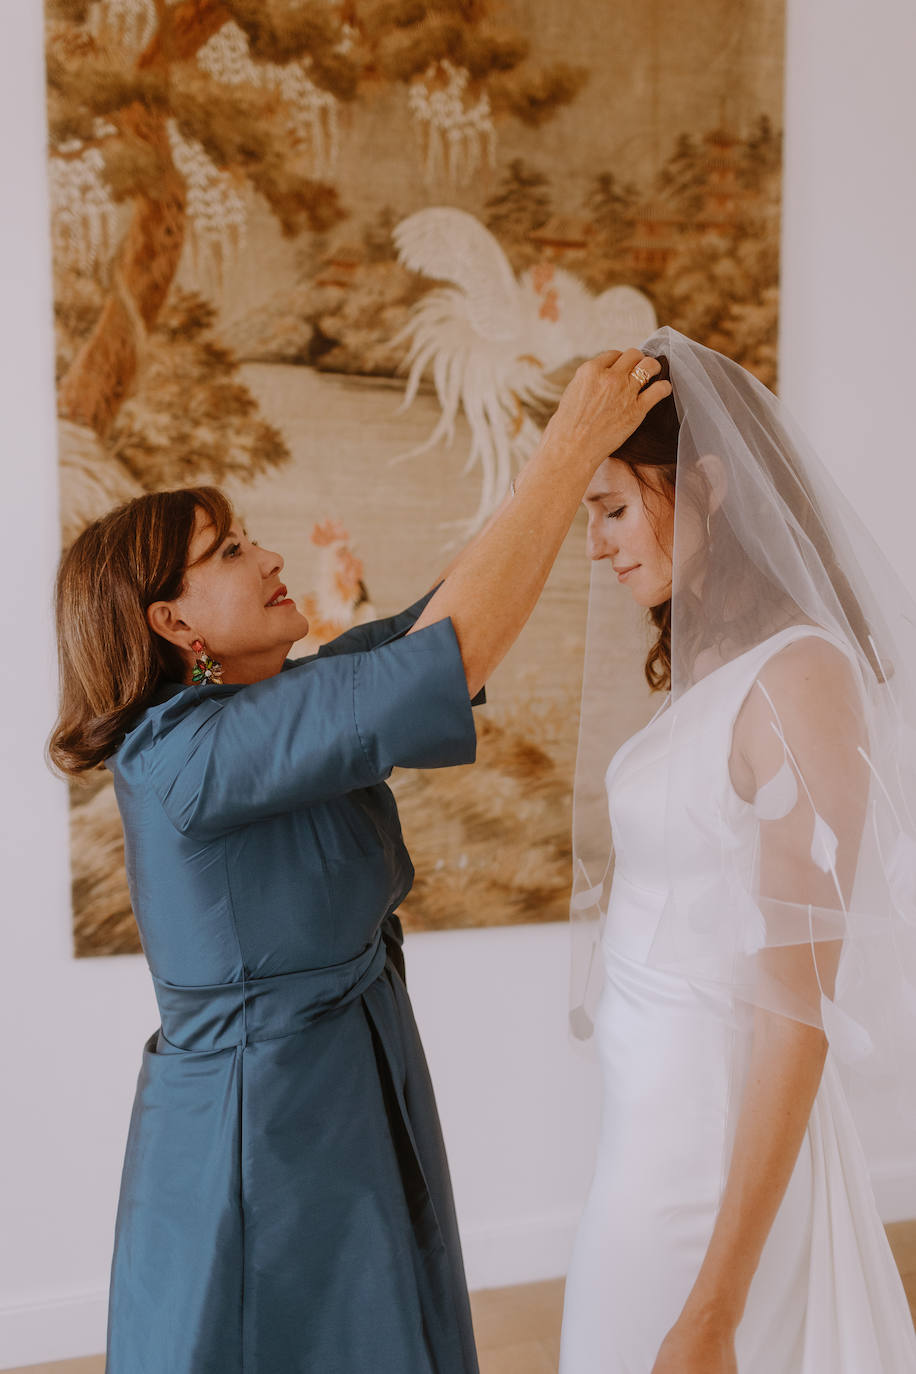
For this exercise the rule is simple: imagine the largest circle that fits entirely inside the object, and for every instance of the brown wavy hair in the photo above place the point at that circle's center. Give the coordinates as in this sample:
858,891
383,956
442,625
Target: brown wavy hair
111,663
651,454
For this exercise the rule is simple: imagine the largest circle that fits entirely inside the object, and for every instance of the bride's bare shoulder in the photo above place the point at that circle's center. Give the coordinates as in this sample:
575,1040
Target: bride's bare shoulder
809,664
806,693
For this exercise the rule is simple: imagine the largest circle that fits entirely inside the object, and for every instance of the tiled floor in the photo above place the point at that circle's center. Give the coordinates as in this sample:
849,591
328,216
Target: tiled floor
518,1329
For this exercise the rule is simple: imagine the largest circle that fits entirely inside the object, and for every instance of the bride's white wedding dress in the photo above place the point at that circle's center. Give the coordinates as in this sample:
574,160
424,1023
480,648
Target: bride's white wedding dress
826,1298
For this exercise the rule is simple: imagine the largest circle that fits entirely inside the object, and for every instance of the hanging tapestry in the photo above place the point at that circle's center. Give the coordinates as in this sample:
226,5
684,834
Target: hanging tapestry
339,257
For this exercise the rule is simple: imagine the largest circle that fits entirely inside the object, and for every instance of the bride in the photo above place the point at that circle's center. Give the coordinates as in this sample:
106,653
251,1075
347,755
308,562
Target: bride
758,946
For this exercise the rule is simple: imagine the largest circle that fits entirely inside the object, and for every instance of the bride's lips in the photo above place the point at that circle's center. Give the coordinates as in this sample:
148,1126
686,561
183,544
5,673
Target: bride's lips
280,598
624,573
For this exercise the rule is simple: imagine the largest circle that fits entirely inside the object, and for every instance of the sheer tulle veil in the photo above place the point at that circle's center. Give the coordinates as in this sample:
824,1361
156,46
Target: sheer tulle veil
824,930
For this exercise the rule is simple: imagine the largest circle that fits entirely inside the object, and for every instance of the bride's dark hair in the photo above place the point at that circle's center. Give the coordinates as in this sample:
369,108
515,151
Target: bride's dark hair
651,453
653,446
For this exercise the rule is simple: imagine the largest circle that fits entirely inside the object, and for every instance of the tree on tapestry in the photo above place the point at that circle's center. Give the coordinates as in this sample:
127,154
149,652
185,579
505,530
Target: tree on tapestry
522,204
168,120
612,208
703,240
164,114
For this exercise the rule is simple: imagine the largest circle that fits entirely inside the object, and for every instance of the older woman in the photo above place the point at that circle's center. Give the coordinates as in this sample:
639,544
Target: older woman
285,1204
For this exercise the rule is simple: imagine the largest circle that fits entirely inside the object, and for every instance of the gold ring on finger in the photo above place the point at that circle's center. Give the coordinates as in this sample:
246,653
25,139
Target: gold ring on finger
641,375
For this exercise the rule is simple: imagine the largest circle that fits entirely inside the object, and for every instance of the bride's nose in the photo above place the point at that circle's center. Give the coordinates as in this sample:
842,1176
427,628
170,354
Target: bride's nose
599,540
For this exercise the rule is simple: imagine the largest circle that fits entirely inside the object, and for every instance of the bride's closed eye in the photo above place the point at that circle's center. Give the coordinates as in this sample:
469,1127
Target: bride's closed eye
614,514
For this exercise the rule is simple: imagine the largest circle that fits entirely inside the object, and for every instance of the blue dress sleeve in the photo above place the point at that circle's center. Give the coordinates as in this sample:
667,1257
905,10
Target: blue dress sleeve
362,638
333,724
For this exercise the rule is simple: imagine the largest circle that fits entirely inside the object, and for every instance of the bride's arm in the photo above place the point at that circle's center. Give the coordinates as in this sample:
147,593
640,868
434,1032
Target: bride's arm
783,1078
810,694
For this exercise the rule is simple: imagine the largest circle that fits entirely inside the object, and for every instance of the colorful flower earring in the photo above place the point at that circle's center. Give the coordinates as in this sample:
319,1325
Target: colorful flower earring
206,669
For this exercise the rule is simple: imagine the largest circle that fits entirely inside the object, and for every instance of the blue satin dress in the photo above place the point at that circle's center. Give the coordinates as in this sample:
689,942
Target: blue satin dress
285,1204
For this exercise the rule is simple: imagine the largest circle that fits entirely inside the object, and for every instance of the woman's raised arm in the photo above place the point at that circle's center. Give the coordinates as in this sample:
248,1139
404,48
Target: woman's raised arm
493,587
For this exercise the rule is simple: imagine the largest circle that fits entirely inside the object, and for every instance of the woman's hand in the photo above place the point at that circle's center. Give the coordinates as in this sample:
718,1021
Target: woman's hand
695,1346
603,404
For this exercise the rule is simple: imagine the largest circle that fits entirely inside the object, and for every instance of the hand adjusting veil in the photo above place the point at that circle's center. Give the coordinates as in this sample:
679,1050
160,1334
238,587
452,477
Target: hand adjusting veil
812,910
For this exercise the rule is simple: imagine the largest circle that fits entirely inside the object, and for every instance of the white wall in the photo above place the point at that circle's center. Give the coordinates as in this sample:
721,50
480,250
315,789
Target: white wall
519,1107
847,350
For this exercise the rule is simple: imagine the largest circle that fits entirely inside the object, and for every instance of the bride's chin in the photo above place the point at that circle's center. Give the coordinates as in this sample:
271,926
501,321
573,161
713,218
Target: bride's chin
656,598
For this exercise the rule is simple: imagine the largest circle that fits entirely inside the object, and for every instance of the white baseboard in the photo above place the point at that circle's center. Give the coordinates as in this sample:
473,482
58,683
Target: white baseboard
523,1251
527,1251
55,1329
894,1182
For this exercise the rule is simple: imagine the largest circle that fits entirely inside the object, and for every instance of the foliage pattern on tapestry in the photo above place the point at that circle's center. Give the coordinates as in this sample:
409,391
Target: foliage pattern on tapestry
340,258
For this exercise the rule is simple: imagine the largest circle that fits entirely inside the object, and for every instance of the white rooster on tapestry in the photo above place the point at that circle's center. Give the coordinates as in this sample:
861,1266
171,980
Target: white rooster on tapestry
492,342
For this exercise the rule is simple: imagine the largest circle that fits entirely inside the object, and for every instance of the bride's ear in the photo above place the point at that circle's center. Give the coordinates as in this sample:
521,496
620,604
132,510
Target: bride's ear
713,469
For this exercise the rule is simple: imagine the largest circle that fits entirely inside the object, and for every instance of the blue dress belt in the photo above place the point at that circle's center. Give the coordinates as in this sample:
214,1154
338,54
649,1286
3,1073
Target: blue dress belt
223,1016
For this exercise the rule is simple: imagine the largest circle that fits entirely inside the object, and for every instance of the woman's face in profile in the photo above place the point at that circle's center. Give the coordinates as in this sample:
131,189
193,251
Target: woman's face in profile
632,525
235,600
